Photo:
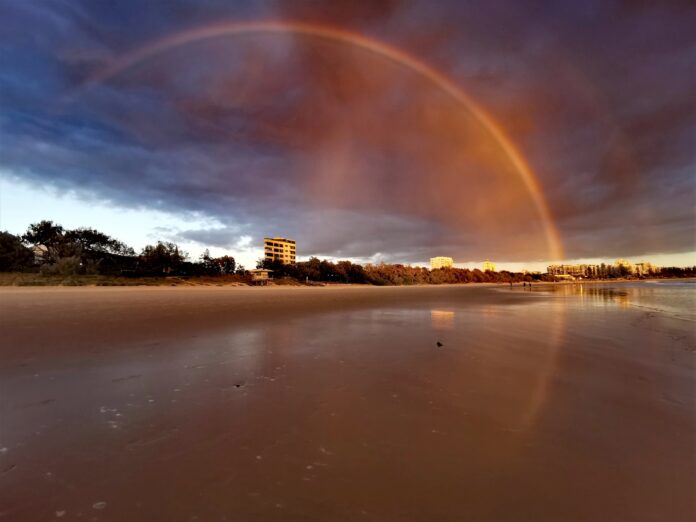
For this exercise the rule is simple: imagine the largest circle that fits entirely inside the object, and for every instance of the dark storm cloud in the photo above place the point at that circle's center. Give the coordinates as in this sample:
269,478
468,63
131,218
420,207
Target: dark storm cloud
352,155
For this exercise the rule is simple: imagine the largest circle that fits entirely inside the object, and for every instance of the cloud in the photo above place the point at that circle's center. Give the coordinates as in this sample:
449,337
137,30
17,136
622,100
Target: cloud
351,154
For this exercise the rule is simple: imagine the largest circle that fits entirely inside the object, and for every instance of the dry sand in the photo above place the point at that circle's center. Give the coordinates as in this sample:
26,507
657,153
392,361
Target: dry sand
336,404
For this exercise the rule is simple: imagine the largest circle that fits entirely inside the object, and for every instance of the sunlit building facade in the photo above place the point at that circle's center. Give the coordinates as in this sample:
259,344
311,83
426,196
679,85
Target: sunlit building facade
645,268
624,266
441,262
488,266
639,269
573,270
279,249
620,268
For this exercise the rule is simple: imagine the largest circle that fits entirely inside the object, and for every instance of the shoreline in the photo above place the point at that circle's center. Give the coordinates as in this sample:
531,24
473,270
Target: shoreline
222,282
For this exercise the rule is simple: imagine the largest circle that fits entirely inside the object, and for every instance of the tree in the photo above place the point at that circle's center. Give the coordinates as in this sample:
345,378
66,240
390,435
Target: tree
14,256
312,269
45,234
162,258
89,246
94,242
226,264
208,265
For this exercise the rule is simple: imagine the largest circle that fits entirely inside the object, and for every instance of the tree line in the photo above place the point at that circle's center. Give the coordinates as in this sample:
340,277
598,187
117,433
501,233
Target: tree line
50,249
384,274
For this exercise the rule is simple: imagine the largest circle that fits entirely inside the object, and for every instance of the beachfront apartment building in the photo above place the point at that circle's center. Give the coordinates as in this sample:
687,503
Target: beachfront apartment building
279,249
620,268
645,268
624,267
639,269
488,266
441,262
573,270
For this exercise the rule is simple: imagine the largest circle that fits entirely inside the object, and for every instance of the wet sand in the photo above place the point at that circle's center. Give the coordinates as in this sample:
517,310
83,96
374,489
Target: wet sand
336,404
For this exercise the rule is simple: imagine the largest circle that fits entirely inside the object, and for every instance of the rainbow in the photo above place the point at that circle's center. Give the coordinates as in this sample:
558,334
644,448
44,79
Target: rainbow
397,56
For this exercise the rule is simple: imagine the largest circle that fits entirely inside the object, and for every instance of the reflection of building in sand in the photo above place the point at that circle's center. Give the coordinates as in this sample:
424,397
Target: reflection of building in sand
441,262
442,319
599,294
488,266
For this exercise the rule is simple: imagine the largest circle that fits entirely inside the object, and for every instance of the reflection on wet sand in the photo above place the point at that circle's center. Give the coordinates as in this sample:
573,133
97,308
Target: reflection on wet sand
442,319
593,293
540,389
677,299
357,414
537,388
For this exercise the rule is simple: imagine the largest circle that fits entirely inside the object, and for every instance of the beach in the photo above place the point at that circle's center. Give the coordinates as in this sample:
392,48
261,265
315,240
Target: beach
461,402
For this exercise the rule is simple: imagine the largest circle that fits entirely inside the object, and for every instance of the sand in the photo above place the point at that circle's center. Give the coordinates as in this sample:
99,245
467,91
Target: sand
337,404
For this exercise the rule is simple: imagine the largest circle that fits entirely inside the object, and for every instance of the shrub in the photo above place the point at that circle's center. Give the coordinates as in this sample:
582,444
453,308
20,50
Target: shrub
64,266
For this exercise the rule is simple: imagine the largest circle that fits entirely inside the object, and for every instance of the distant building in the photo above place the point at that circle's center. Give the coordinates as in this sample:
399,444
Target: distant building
40,253
441,262
554,270
640,269
279,249
620,268
488,266
573,271
646,268
624,267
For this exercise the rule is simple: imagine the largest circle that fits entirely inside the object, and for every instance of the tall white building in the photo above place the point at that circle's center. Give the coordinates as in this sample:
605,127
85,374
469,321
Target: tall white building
488,266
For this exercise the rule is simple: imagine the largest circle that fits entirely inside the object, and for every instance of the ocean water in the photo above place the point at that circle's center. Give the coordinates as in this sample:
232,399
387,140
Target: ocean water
671,297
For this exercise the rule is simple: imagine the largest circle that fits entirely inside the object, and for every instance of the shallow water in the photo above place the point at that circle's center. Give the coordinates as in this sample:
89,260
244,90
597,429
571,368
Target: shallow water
673,297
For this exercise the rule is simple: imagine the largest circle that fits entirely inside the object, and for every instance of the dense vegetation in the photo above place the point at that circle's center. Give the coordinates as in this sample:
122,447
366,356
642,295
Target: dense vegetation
52,251
387,274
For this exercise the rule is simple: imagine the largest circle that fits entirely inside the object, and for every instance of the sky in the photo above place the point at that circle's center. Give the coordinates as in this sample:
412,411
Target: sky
386,131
